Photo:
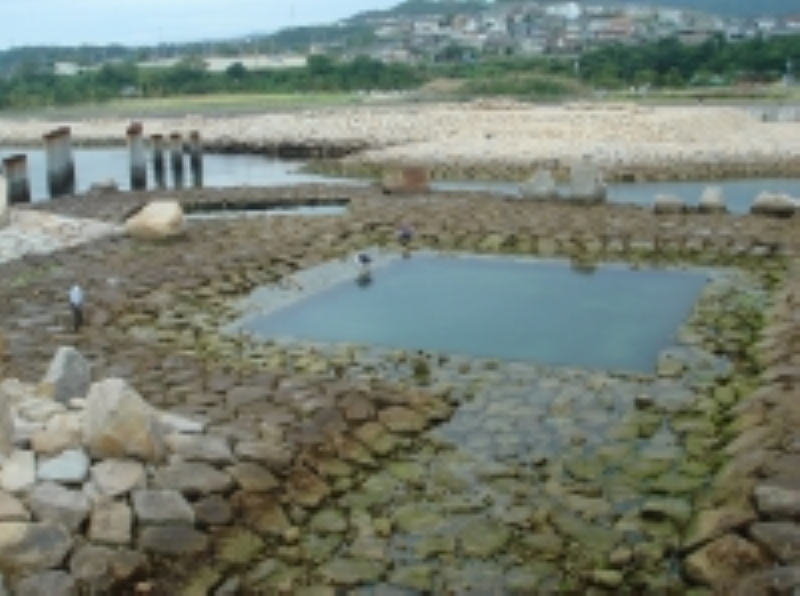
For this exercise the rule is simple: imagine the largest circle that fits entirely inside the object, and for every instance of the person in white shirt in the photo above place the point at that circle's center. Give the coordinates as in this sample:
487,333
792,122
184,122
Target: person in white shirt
76,305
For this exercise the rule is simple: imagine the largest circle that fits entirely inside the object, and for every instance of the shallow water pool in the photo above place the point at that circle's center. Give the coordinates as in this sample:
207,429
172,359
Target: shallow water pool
611,318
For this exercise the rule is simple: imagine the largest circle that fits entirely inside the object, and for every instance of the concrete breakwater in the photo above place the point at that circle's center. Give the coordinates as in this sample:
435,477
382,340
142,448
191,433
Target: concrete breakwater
532,477
490,140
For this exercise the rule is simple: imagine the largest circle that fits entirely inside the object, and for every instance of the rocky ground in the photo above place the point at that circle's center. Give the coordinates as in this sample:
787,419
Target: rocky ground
491,140
306,469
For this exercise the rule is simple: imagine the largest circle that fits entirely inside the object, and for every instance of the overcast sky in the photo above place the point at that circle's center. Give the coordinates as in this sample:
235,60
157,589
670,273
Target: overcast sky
150,22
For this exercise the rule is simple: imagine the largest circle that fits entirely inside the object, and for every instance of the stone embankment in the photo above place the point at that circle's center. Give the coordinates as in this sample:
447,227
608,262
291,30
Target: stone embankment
494,140
96,484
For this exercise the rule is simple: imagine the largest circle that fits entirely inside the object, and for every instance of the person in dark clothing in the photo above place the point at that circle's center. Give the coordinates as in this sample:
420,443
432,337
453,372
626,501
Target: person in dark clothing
404,236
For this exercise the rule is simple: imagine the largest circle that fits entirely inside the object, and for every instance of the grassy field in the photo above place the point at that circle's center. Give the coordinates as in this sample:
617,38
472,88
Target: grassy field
239,104
208,105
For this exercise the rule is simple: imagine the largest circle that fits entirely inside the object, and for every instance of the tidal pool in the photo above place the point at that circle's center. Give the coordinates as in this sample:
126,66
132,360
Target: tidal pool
610,317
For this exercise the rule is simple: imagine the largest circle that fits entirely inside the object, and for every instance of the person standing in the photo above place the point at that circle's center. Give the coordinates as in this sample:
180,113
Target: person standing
76,305
363,260
404,235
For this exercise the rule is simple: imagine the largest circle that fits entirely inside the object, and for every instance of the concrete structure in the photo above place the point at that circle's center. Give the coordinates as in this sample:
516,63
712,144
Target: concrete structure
138,157
196,158
176,159
16,171
60,164
158,161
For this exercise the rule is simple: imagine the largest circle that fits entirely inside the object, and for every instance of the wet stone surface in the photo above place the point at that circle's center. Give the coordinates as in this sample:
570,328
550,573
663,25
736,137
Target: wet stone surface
522,475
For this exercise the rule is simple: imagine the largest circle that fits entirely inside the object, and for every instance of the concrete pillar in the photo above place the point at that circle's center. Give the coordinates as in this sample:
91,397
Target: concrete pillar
16,169
158,161
60,165
176,158
196,158
138,157
5,215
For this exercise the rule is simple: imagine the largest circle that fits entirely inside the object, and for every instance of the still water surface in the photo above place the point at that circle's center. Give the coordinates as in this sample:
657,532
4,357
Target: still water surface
612,318
94,165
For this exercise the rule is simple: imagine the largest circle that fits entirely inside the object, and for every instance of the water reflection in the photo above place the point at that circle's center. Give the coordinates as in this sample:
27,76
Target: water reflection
514,309
100,165
738,194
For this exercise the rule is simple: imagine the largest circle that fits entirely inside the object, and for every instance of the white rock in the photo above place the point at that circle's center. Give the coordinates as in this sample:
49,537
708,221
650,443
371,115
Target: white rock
69,467
179,424
19,471
158,220
63,431
115,477
207,448
39,409
12,509
118,423
712,201
15,390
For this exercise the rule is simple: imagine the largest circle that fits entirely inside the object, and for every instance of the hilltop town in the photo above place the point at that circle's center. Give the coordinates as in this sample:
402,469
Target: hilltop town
551,28
424,32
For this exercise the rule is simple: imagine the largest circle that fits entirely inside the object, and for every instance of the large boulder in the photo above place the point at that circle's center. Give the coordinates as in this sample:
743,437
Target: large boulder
68,376
668,204
118,423
406,180
774,205
712,201
158,220
541,186
586,183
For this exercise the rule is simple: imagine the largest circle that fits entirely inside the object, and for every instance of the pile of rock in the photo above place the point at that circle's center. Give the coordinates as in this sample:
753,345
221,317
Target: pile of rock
96,484
748,543
586,185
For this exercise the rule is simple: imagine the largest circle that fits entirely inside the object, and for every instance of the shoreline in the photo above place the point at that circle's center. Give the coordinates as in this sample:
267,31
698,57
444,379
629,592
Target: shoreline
494,140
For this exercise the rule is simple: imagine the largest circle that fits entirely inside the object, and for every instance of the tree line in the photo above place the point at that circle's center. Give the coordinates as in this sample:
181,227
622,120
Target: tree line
33,86
666,63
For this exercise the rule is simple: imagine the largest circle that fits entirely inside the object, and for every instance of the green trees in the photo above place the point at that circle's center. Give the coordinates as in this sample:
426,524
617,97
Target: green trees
666,63
670,63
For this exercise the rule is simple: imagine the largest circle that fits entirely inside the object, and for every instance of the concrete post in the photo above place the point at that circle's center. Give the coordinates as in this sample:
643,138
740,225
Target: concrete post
60,166
158,161
176,156
5,214
16,169
138,157
196,158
